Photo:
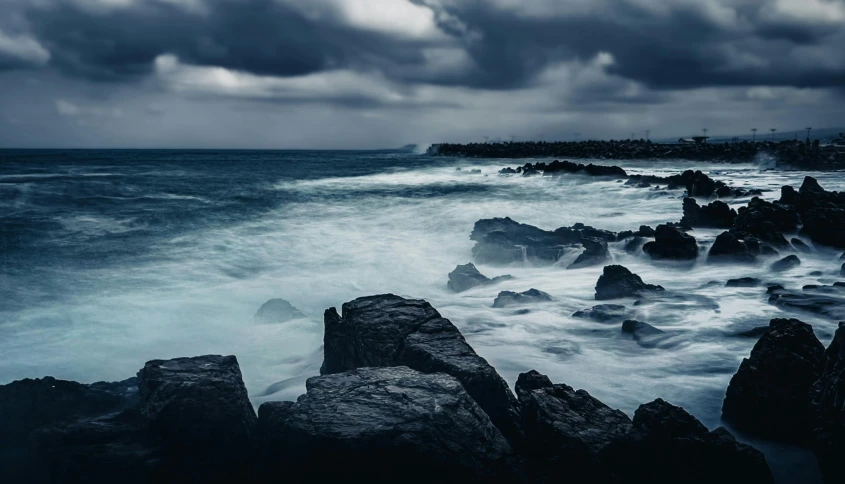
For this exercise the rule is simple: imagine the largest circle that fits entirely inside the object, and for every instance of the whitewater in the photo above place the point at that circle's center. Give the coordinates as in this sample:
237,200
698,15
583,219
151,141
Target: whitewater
112,259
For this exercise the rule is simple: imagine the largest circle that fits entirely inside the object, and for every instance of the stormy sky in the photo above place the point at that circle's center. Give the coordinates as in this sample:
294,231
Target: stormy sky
384,73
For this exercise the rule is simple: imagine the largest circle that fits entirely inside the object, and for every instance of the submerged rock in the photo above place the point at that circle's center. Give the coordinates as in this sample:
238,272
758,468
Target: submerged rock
509,298
618,282
603,313
379,424
715,215
800,245
787,263
566,429
595,253
671,243
824,302
827,398
645,334
668,445
769,394
388,330
466,276
277,311
743,282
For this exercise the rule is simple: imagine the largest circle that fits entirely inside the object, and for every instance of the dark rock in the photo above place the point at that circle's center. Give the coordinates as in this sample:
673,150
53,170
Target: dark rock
643,231
387,330
566,429
556,168
671,243
645,334
728,248
277,311
28,404
199,410
668,445
823,213
634,245
603,313
617,282
715,215
503,241
595,253
701,185
743,282
842,271
377,424
827,396
510,298
768,395
466,277
787,263
800,245
766,221
788,195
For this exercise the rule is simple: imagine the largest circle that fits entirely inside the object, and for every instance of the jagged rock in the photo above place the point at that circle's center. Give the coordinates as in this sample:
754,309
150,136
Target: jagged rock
768,396
377,424
827,398
277,311
701,185
822,212
668,445
842,270
715,215
466,276
787,263
800,245
755,332
645,334
388,330
603,313
728,248
503,241
28,404
561,167
743,282
671,243
618,282
510,298
595,253
566,429
766,221
643,231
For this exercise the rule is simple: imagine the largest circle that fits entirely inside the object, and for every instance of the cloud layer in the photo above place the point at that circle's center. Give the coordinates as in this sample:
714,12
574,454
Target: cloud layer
548,63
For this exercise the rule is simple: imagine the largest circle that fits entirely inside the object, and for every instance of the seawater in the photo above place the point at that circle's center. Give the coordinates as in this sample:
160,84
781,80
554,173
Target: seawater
112,258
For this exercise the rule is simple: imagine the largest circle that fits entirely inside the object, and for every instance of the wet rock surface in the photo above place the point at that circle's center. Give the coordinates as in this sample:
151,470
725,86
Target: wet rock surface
403,419
509,298
388,330
714,215
467,276
595,253
645,334
785,264
618,282
829,301
769,394
827,398
727,248
671,243
743,282
766,221
603,313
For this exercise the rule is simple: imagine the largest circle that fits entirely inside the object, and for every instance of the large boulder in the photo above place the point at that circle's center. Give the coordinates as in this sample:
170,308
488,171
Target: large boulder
277,311
766,221
566,429
509,298
717,214
769,394
504,241
828,403
730,249
668,445
26,405
618,282
822,212
388,330
383,425
466,276
671,243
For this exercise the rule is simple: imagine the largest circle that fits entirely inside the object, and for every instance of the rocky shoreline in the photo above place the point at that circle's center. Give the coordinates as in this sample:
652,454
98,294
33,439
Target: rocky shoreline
787,154
402,395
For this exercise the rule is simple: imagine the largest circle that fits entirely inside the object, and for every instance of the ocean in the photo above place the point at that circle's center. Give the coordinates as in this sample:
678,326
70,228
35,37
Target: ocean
110,258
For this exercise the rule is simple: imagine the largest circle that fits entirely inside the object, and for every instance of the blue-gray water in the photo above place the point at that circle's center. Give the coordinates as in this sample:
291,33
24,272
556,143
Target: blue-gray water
112,258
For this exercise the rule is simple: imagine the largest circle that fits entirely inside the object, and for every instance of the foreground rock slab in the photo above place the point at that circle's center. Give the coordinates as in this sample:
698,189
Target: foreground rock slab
769,394
388,330
379,424
828,404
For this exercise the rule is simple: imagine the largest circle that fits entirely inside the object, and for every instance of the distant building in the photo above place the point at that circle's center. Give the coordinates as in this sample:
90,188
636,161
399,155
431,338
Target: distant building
695,140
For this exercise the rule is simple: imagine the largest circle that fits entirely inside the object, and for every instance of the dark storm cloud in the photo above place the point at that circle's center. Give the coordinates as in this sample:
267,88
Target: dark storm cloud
262,37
